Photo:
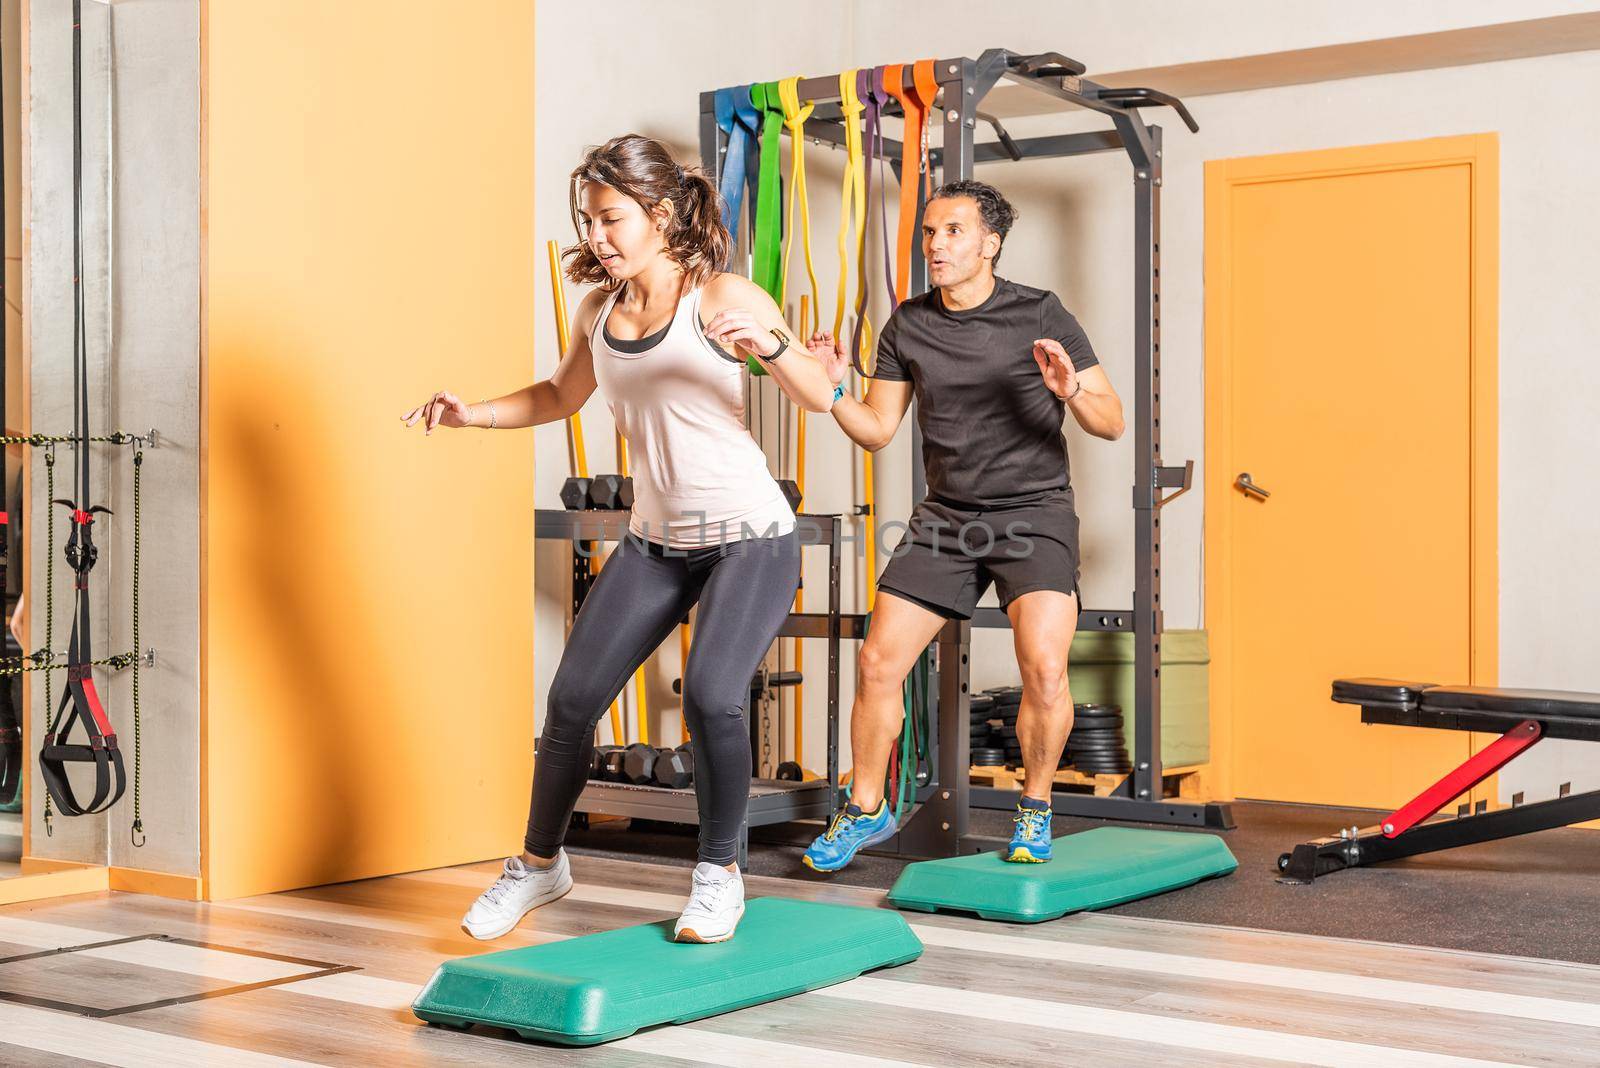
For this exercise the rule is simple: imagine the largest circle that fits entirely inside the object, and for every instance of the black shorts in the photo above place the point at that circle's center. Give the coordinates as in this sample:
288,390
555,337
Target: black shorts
951,553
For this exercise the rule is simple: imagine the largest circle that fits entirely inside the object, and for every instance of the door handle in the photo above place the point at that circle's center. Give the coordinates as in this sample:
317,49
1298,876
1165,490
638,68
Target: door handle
1246,486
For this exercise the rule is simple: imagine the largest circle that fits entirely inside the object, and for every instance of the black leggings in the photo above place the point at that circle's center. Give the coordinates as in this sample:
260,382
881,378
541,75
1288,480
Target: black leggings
745,590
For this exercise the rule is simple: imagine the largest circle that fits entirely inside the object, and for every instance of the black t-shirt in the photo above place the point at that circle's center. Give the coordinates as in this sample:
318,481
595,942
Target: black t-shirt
991,428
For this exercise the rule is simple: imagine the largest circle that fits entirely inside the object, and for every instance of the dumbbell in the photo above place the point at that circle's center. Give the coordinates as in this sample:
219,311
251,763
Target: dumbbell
575,494
791,492
675,767
789,771
611,493
639,764
615,764
597,760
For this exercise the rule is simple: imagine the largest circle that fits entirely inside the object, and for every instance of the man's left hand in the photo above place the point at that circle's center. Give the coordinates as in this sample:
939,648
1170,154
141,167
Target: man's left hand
1059,375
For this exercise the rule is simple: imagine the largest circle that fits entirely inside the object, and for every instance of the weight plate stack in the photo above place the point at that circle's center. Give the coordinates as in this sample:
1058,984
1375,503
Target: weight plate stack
988,757
1096,746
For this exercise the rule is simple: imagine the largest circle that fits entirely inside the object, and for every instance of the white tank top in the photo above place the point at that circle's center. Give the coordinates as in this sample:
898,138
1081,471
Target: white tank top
699,478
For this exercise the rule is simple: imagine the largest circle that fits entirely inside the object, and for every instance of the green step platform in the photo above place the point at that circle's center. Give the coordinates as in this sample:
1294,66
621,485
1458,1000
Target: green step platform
1091,870
602,987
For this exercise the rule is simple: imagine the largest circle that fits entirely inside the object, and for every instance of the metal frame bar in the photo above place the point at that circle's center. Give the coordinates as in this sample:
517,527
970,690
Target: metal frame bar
1401,835
939,826
1359,848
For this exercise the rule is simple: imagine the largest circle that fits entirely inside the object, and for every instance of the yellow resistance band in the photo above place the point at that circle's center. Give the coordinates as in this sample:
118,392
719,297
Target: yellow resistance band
853,209
852,193
794,117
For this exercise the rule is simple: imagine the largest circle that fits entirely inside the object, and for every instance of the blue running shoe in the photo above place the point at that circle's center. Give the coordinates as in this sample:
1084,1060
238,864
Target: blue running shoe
1031,842
850,832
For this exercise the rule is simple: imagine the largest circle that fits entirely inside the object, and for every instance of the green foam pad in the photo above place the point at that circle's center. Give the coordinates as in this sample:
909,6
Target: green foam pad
601,987
1090,870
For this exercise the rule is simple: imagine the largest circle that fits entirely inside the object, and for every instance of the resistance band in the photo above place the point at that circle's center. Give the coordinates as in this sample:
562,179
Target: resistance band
866,91
861,337
766,254
79,700
766,266
880,91
736,117
926,86
795,115
852,195
915,102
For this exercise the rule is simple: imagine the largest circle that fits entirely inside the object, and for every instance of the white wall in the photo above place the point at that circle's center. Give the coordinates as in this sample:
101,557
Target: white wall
1074,237
143,339
1113,35
638,71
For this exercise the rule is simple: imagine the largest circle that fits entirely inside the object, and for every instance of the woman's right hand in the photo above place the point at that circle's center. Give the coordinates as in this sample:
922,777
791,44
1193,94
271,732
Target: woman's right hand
442,409
830,353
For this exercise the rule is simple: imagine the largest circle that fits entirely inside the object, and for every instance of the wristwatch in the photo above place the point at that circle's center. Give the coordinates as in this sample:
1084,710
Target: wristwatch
783,345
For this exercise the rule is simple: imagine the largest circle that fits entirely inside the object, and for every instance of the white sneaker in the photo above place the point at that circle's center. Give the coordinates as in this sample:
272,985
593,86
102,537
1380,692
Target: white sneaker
519,890
716,904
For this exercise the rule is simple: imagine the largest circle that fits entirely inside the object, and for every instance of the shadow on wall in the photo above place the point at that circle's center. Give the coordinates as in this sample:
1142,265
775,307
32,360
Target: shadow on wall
369,620
281,675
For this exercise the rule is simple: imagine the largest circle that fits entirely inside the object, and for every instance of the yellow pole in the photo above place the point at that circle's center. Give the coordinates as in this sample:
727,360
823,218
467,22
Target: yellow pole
577,459
799,595
577,456
868,470
641,710
683,666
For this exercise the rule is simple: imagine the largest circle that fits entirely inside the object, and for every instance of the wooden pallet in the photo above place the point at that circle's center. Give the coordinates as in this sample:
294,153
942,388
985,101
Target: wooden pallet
1006,778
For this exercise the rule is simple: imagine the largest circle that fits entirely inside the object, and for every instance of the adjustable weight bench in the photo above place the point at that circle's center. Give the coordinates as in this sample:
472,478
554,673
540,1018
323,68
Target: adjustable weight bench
1520,717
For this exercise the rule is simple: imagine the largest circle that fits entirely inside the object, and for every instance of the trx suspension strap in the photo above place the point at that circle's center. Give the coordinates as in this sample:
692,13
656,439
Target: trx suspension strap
737,119
79,701
794,117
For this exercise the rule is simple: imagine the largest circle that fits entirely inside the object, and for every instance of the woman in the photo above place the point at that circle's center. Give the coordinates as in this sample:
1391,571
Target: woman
709,523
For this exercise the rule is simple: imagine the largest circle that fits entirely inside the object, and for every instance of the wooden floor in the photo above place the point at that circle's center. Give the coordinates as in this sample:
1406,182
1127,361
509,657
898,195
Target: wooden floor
1087,989
10,843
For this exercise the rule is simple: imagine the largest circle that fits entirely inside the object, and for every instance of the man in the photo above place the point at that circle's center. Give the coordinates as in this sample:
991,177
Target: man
994,366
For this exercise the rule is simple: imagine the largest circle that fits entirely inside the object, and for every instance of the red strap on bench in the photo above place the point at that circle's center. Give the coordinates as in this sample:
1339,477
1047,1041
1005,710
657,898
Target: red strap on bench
1496,755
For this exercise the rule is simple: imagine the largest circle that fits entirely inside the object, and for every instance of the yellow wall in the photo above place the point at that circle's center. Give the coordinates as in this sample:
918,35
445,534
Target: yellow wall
367,618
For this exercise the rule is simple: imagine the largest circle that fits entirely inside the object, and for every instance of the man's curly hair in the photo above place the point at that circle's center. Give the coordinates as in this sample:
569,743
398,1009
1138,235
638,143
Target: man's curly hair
995,210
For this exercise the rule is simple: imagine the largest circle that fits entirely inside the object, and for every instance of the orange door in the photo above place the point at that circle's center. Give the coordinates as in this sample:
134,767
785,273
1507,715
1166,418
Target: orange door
1350,375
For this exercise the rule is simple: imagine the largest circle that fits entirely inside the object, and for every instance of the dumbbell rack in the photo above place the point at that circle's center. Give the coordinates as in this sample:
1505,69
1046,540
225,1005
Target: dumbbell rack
771,800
